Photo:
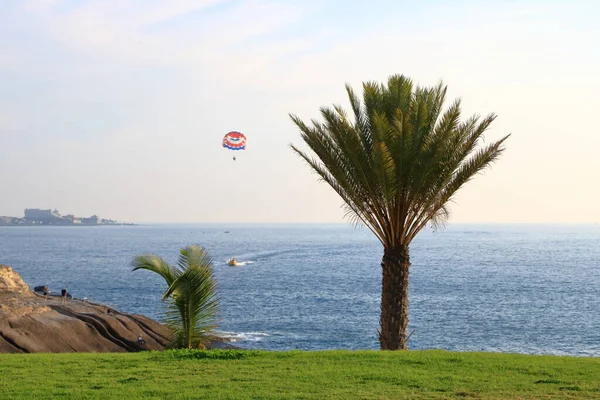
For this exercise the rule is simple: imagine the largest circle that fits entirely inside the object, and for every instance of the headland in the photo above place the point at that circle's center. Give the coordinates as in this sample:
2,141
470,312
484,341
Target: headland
38,217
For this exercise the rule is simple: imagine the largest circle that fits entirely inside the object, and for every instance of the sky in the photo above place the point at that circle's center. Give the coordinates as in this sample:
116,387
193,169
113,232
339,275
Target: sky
118,107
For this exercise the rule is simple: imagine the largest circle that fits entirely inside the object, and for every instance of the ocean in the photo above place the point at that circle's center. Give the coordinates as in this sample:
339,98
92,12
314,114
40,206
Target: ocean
531,289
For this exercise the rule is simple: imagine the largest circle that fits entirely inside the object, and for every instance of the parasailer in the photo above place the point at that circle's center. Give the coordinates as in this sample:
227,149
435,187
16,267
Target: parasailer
234,141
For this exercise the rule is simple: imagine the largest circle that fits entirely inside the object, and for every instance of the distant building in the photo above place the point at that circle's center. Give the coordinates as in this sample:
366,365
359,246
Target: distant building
11,221
36,216
93,220
43,217
36,213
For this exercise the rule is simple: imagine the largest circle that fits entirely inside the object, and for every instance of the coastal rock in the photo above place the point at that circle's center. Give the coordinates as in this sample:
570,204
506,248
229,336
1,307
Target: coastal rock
11,282
29,323
41,289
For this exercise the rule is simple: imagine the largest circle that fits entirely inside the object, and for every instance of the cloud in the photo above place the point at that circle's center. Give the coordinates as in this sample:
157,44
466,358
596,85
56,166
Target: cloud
158,32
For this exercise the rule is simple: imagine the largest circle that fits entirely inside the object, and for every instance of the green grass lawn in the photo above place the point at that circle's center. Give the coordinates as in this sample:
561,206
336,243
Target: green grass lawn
234,374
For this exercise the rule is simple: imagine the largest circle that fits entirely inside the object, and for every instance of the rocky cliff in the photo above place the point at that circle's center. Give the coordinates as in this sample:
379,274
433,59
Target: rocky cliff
29,323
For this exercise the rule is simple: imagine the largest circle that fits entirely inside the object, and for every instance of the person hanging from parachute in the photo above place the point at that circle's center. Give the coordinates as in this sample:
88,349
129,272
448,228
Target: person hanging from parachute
234,141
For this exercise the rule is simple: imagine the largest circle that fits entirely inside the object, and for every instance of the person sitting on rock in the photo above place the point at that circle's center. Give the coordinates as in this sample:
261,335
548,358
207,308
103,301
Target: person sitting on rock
141,341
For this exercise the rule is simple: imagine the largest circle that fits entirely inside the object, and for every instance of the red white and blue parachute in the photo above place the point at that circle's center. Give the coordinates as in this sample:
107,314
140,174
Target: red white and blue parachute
234,141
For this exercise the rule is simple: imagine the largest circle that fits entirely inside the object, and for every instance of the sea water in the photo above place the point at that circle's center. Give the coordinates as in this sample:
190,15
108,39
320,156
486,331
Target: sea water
506,288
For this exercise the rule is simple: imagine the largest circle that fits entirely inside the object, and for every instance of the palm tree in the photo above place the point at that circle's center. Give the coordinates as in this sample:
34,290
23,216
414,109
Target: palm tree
396,166
193,306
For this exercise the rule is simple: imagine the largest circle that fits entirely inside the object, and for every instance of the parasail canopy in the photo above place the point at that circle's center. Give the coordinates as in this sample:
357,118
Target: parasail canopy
234,141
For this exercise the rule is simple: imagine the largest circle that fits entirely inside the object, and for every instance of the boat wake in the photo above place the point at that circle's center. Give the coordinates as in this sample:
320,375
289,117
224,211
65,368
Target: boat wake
240,263
244,336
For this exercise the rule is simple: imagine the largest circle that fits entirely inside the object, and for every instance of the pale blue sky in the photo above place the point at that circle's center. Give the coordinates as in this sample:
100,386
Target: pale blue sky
118,107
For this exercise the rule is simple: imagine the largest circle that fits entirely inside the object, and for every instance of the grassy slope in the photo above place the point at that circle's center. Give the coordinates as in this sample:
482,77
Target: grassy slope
318,375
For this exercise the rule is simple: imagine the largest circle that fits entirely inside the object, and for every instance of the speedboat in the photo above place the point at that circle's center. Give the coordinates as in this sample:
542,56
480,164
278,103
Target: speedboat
231,262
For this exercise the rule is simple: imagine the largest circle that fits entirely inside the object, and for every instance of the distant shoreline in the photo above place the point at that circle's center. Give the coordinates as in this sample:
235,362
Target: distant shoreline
49,217
69,225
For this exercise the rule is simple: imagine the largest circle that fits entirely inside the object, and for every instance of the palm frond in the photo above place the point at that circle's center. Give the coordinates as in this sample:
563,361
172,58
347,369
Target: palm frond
436,210
157,264
400,159
200,306
191,294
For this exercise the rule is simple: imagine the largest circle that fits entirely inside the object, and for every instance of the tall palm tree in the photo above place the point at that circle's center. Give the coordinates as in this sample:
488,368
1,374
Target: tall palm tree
191,290
396,165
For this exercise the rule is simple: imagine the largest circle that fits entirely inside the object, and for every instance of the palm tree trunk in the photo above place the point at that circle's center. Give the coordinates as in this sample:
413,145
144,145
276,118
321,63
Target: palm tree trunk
188,323
394,298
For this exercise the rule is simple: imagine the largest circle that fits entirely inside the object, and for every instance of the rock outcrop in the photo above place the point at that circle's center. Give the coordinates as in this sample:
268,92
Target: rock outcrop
30,323
11,282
